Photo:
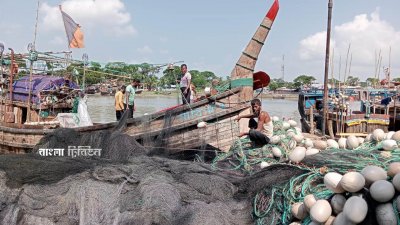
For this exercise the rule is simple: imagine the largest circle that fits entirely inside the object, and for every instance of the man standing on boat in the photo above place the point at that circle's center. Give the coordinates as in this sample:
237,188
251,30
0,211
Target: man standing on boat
119,102
130,97
184,83
260,131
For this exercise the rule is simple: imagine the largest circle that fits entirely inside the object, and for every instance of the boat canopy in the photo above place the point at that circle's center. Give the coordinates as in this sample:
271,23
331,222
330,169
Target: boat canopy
41,83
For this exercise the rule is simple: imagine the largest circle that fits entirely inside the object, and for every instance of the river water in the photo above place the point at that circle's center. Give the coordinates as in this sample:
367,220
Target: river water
101,108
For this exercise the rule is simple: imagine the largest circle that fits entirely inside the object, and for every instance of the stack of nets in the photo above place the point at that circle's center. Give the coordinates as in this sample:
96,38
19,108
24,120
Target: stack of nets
243,157
273,204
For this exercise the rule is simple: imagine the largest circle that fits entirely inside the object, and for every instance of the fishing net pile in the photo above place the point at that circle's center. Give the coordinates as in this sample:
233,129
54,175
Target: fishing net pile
124,186
350,181
244,157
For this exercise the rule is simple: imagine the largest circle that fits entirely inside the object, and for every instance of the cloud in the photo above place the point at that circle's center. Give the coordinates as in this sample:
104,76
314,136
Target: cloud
145,50
108,16
366,35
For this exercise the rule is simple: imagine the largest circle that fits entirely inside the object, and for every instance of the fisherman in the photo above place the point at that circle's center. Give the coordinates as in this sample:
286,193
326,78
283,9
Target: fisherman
130,97
184,83
260,132
214,84
193,93
119,102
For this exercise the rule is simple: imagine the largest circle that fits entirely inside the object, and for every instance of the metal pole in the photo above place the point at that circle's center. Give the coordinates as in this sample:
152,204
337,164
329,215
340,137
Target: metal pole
85,59
1,59
328,40
1,71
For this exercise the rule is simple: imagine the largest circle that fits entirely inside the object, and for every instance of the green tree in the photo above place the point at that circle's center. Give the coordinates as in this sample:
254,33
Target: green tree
303,80
333,81
372,81
275,84
352,81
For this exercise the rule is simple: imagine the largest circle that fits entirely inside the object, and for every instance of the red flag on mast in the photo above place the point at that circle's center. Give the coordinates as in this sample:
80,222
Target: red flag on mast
73,30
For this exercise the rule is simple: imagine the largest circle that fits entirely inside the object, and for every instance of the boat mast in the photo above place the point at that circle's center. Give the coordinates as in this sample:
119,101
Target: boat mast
328,40
283,67
32,50
242,73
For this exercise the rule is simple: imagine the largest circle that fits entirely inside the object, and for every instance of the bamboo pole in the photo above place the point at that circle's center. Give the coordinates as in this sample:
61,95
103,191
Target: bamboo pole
328,41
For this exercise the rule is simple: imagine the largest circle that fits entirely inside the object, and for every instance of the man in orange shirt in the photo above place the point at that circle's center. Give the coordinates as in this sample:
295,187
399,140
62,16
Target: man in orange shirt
119,102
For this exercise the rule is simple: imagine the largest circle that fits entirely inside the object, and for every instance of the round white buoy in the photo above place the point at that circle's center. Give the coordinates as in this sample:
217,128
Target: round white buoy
396,136
201,124
389,145
321,211
342,143
360,140
308,143
332,143
372,174
297,154
355,209
298,138
389,135
382,191
311,151
398,202
320,144
292,123
263,164
299,210
290,133
378,135
309,201
337,203
285,125
352,181
295,223
396,181
352,142
341,219
275,118
368,138
385,214
332,182
276,152
393,169
274,140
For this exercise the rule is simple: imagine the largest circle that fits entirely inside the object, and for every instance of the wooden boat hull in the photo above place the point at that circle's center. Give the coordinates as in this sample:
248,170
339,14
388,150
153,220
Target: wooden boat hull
174,129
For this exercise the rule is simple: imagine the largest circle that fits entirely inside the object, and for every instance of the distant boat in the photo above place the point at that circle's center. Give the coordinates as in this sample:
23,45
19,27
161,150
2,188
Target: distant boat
138,91
343,121
90,90
278,97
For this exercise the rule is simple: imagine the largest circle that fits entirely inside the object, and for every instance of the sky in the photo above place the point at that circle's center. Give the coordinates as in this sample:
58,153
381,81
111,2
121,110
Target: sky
209,35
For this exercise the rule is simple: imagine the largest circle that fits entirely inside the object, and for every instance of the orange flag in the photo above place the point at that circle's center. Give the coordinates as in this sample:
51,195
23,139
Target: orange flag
73,30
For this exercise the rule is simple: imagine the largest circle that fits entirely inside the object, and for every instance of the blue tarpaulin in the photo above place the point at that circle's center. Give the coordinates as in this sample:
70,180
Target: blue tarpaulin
39,83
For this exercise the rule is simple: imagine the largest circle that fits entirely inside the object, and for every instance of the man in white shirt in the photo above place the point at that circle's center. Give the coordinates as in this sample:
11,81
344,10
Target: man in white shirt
185,84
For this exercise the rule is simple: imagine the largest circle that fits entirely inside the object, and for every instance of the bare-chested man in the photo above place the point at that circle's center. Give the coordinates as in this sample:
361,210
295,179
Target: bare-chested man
260,131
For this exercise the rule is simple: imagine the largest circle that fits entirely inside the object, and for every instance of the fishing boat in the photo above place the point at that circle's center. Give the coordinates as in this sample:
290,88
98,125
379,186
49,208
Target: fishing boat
341,119
205,123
